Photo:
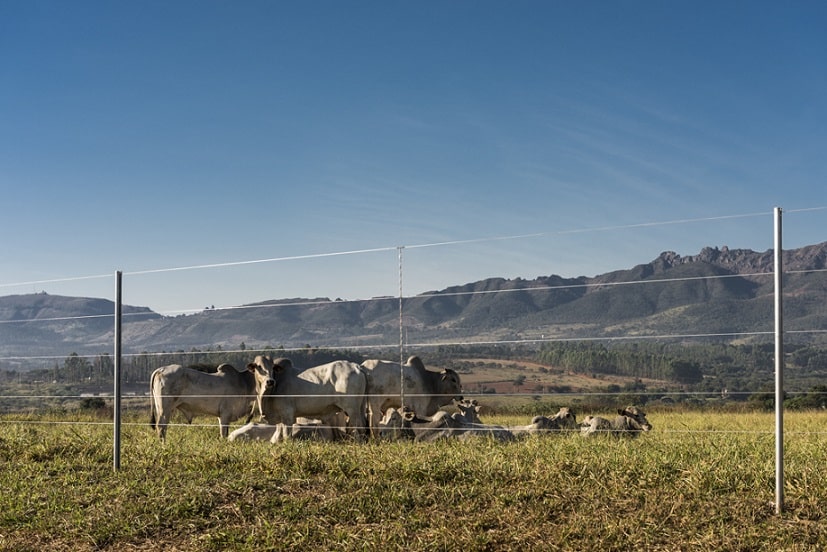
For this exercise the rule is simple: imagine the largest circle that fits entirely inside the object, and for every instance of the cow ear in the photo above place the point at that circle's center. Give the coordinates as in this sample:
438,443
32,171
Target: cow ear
251,367
621,411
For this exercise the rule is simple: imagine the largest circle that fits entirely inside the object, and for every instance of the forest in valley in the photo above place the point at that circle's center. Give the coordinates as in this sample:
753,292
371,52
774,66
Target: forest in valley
701,372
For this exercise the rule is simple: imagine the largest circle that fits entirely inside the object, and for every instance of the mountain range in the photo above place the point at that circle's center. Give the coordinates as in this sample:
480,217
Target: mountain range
720,293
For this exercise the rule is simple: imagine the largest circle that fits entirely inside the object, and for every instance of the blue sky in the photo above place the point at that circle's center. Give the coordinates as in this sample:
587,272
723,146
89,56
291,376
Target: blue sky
138,136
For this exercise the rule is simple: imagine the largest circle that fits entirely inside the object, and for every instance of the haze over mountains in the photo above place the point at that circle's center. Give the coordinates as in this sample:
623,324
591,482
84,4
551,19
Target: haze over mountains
721,292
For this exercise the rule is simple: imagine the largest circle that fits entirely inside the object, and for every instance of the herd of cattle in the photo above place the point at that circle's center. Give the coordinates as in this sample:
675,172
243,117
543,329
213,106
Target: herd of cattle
346,400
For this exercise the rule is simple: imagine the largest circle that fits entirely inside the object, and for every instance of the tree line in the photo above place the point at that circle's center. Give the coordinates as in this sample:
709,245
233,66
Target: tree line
738,371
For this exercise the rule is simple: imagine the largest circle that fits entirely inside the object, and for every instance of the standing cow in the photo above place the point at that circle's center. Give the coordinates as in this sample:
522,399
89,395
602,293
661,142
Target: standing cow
424,391
315,393
227,394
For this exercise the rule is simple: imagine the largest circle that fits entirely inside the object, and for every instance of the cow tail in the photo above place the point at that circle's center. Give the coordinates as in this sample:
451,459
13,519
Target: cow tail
152,419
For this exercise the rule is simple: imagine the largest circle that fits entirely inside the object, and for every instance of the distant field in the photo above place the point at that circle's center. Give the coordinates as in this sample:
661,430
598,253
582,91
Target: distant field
492,382
697,482
500,375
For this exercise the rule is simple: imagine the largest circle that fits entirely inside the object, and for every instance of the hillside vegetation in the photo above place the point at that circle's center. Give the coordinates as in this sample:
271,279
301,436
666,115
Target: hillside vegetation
719,291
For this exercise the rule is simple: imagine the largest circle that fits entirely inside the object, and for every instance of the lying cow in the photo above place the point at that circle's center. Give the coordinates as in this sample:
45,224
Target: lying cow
331,428
253,432
227,394
564,420
424,391
315,393
629,422
403,423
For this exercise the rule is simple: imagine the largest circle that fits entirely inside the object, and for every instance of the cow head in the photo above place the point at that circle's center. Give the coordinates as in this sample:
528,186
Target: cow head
637,416
266,372
263,370
391,425
450,384
469,410
565,419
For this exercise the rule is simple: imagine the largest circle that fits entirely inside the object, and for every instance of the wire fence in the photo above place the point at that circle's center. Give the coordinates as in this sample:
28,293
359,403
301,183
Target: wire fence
408,267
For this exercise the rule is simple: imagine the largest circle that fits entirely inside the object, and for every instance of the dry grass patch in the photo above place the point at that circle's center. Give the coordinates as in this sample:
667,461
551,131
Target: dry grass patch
682,487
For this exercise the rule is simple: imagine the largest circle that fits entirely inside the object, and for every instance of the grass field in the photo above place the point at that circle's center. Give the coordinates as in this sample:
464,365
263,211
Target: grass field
697,482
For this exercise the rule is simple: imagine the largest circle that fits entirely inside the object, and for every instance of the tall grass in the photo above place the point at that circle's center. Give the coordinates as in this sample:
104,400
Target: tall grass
697,482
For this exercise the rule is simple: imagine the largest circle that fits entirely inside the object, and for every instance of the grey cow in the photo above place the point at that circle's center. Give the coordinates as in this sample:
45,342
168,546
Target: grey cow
630,422
316,392
424,391
403,423
227,394
564,420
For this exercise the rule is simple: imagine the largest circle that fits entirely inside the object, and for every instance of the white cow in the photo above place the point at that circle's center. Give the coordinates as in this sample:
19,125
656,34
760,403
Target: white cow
564,420
253,431
629,422
330,428
314,393
227,394
424,391
403,423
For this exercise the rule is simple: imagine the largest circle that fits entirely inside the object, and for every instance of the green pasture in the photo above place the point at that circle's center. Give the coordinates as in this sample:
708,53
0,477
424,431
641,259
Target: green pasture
699,481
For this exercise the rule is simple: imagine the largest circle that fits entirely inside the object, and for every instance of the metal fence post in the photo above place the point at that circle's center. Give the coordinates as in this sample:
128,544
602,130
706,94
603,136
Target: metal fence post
116,407
401,333
779,368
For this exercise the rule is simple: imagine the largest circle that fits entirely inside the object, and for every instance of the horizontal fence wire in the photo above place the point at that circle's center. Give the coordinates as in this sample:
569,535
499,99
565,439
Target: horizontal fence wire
177,426
466,394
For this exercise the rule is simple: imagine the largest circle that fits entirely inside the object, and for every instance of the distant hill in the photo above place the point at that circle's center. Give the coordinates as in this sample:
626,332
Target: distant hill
60,325
719,291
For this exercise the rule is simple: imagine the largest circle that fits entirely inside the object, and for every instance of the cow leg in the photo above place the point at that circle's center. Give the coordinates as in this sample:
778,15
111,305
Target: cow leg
162,421
224,426
357,421
374,414
280,434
